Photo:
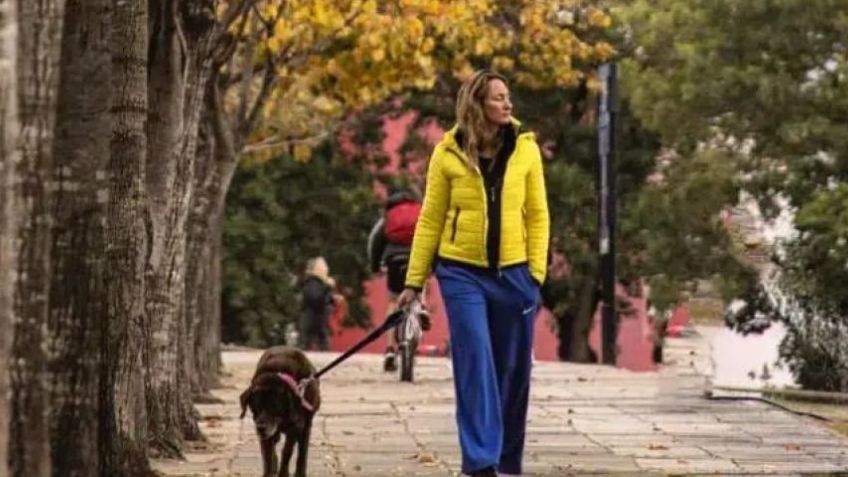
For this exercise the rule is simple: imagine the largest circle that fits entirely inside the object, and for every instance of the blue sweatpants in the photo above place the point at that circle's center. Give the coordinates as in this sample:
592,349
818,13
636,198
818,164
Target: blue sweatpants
491,331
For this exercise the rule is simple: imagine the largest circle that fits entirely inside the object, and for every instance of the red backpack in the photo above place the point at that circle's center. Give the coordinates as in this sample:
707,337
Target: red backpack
400,222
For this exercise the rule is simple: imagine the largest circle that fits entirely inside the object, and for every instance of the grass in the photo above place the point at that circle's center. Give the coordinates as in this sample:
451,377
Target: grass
837,414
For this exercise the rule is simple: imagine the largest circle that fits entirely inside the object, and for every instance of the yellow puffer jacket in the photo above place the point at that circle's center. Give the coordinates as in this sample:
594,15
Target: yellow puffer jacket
454,217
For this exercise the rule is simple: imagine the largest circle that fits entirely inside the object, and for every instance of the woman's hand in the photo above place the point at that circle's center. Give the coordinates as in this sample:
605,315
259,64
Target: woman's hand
407,297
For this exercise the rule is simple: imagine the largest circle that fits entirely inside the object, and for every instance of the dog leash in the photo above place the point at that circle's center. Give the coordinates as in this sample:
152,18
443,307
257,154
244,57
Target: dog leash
299,387
390,322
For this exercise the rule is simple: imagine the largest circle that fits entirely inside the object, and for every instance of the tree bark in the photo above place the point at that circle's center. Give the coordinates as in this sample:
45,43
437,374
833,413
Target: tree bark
124,417
223,137
579,350
216,164
9,209
175,88
78,307
208,347
203,310
39,32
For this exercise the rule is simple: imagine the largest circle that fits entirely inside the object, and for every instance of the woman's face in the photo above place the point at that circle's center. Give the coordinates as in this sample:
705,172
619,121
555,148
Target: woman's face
496,105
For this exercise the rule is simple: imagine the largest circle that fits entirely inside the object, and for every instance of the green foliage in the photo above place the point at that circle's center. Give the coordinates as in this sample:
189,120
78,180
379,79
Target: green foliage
821,248
675,234
762,82
279,214
762,70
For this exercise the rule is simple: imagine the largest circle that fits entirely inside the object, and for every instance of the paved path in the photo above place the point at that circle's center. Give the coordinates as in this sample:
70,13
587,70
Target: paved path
583,420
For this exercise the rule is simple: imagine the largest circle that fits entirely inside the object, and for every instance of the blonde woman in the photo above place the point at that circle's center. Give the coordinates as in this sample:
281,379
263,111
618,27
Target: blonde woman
317,305
485,225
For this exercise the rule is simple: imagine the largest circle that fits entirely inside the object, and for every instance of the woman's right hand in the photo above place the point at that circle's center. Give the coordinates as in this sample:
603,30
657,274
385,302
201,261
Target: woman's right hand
407,296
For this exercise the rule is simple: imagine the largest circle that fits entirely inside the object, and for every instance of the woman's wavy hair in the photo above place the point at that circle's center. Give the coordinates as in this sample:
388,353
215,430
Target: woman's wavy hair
470,116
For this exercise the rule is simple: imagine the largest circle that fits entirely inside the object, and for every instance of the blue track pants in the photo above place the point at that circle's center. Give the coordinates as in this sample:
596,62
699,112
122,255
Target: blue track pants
491,319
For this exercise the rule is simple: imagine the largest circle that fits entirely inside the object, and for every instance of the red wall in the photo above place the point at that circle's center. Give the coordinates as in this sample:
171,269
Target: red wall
635,336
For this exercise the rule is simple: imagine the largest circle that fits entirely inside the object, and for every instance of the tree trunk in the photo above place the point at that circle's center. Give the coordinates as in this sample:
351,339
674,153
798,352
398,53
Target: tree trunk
579,350
216,164
208,347
165,86
9,209
124,416
203,311
196,254
38,46
175,88
78,308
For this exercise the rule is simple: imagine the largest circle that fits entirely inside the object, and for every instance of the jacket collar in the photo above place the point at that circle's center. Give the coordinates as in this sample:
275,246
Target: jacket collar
453,137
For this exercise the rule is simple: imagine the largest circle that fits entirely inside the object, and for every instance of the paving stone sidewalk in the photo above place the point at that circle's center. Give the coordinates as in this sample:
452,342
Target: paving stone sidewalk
584,420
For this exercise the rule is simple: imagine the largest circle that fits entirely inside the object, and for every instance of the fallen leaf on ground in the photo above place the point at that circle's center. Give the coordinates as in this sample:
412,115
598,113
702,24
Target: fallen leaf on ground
792,447
657,447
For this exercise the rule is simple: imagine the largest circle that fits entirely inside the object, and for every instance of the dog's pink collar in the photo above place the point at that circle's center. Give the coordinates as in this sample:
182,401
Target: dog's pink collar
298,388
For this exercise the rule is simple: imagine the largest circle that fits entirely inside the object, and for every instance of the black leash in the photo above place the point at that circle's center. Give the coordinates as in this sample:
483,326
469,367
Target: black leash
391,321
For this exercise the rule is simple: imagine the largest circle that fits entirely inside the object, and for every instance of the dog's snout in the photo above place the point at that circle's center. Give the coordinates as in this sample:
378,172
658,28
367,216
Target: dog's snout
266,427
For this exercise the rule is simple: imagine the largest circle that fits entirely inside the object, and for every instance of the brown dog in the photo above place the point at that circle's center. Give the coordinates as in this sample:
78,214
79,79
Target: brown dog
279,408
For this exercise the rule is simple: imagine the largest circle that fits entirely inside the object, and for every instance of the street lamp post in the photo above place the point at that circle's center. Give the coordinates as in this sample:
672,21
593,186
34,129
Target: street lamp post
607,112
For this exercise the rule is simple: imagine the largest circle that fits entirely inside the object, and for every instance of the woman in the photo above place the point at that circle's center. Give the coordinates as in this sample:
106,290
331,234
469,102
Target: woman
317,305
485,222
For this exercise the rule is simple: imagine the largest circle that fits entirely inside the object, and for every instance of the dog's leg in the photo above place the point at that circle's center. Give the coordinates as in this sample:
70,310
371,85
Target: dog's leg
288,449
269,457
303,449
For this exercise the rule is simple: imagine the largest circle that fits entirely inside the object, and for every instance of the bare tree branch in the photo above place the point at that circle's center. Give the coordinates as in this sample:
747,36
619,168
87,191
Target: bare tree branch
220,124
225,47
276,141
268,83
234,12
247,79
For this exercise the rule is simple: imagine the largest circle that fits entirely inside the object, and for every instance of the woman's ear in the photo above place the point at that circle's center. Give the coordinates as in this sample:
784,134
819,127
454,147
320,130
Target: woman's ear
243,399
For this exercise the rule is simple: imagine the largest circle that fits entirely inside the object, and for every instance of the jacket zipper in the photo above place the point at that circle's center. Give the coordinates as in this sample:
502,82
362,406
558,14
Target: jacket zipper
485,248
484,238
455,221
493,199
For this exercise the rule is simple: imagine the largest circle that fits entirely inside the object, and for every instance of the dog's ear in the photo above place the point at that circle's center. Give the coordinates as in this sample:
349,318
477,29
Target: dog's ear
243,399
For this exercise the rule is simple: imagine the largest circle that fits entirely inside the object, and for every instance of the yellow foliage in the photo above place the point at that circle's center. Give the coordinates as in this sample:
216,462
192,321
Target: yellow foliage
336,56
302,152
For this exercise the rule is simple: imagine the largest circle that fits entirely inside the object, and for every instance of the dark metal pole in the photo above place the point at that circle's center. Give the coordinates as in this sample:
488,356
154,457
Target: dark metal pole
607,112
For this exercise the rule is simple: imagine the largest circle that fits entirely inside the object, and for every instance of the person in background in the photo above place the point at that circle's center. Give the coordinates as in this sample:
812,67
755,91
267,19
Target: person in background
389,246
485,224
317,298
